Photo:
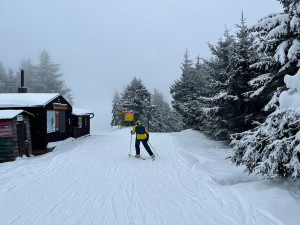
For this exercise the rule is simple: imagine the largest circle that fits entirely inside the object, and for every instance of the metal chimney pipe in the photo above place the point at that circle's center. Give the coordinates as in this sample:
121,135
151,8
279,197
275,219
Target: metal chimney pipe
22,78
22,89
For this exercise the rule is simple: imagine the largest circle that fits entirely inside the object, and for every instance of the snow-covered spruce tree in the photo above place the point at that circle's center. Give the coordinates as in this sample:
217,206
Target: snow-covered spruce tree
11,82
273,148
3,77
277,41
219,65
217,105
240,74
205,89
115,109
48,79
136,97
232,109
185,92
163,119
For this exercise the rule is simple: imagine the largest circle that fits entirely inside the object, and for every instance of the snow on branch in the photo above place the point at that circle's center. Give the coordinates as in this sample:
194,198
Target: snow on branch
271,21
294,50
219,96
260,80
280,55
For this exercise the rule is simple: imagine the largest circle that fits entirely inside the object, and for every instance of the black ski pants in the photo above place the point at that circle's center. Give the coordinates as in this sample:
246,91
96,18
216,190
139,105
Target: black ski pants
137,146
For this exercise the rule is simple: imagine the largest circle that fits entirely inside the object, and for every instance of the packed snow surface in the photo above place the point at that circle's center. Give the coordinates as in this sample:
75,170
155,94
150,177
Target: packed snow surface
91,180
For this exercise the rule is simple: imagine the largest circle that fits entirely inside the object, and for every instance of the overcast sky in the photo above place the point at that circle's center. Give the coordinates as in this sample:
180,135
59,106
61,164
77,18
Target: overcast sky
102,45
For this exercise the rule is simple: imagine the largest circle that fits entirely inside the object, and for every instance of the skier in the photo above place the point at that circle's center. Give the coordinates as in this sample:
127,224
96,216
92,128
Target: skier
142,135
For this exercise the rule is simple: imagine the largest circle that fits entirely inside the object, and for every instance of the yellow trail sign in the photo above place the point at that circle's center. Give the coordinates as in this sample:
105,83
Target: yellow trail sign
129,116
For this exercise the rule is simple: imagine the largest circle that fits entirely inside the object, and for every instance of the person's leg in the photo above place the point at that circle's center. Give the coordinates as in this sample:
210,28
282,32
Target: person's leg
137,146
147,147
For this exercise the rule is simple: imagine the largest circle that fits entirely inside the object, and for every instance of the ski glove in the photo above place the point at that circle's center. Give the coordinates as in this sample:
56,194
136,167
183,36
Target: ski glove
147,138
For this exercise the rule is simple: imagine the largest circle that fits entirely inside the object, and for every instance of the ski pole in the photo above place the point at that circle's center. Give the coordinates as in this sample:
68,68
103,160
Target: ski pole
130,147
153,149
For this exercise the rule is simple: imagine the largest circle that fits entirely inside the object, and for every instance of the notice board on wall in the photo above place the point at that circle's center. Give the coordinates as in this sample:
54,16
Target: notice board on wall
5,128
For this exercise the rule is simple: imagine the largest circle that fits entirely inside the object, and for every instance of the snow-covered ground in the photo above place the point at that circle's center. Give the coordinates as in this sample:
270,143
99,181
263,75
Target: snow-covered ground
91,180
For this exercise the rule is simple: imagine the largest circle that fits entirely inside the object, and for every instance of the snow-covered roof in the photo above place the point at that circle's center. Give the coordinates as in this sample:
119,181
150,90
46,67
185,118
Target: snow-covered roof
26,99
9,114
81,112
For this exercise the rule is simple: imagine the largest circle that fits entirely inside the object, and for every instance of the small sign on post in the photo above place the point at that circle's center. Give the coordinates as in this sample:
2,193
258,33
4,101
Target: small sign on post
20,118
129,116
120,112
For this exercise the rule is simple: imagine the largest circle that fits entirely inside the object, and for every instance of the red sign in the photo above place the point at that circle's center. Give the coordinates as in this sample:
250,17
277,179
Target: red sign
5,128
56,120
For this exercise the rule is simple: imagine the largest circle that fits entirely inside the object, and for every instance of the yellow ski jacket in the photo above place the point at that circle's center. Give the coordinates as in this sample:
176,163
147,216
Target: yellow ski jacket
141,132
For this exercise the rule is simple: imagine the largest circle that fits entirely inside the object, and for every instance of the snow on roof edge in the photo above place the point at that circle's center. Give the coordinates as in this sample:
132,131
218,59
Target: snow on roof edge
17,100
57,94
81,112
11,113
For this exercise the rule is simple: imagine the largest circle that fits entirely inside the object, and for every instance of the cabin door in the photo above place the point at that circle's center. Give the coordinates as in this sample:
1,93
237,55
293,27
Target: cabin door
22,139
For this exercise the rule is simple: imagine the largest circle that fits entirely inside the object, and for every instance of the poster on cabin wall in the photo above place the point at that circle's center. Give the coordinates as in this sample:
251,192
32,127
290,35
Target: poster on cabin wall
51,121
5,128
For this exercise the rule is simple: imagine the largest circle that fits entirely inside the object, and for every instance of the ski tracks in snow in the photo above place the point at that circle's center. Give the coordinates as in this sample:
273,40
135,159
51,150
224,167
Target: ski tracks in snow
92,181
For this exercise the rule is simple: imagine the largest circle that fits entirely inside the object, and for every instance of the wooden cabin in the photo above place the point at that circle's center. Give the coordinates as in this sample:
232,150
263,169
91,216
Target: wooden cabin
81,122
15,135
52,119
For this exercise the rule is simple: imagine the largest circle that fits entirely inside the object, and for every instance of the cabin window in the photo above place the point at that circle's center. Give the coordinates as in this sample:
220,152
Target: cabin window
80,122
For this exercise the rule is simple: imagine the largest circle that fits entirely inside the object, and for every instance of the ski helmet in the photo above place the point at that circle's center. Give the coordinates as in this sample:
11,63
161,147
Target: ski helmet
138,122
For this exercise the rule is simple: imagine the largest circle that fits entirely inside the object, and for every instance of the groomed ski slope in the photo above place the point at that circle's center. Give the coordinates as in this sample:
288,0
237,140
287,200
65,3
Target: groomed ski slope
91,180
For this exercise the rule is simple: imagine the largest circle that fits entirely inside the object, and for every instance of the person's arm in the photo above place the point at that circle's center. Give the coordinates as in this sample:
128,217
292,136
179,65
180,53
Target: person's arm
147,134
133,130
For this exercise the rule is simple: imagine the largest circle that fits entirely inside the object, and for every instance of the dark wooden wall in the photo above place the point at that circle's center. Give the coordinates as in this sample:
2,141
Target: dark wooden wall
39,136
59,136
10,147
84,130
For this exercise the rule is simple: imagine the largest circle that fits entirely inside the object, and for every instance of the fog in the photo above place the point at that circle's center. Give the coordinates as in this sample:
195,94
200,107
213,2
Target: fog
102,45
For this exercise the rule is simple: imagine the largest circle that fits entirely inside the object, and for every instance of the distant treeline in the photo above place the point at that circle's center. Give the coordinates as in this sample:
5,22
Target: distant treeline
42,78
148,107
235,94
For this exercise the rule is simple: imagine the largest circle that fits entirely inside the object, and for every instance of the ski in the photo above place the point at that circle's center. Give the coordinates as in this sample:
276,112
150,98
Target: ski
136,157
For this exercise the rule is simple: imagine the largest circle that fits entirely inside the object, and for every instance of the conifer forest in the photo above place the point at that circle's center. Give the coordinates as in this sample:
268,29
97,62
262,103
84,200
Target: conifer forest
246,94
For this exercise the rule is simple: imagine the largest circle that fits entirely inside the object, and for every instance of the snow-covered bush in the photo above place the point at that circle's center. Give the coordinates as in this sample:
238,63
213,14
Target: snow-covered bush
273,148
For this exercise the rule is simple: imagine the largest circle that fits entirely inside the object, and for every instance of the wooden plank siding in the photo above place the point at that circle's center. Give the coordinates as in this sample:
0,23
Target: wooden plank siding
9,149
84,130
38,129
